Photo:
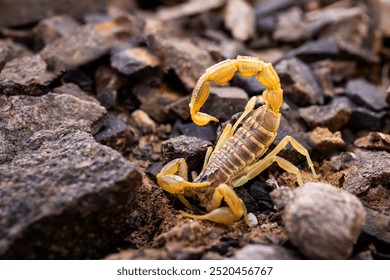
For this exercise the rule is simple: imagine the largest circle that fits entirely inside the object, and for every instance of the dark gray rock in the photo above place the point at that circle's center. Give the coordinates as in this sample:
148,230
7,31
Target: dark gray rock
333,116
25,76
20,12
55,27
329,47
377,227
108,83
63,194
299,82
76,91
207,132
192,149
133,59
264,252
366,94
115,134
363,118
88,43
291,26
181,55
224,102
155,100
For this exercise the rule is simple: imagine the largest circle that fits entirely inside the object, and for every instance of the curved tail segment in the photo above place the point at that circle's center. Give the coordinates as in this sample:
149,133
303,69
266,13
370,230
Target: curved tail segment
223,72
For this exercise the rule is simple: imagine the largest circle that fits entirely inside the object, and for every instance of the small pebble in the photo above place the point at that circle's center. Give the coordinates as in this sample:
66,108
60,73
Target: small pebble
252,220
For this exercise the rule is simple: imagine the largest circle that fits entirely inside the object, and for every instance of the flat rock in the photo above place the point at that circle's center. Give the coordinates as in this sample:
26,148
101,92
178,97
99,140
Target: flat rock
366,94
88,43
28,75
224,102
10,50
333,116
291,27
235,11
329,47
364,169
264,252
76,91
377,227
59,187
20,12
55,27
299,82
374,140
384,21
133,59
181,55
155,100
115,134
192,149
207,132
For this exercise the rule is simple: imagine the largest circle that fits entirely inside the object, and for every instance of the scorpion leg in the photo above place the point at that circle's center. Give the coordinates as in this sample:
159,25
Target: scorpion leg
175,184
224,215
258,167
298,147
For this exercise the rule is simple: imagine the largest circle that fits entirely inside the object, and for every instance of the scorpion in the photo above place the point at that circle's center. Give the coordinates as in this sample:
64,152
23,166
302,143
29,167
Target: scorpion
237,156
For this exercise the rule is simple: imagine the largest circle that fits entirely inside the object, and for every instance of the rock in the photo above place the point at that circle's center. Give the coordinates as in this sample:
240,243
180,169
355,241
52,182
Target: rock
299,82
260,193
363,118
155,100
50,29
374,140
291,27
332,116
384,21
115,134
108,82
331,48
180,108
10,50
366,94
88,43
58,186
264,252
327,142
363,169
235,12
143,121
207,132
269,7
28,75
187,9
224,102
133,59
153,169
76,91
21,12
79,77
348,24
181,55
322,221
377,228
192,149
323,72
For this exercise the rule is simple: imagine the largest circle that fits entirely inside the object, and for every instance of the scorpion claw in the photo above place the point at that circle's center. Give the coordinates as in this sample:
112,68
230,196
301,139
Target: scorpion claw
221,215
202,118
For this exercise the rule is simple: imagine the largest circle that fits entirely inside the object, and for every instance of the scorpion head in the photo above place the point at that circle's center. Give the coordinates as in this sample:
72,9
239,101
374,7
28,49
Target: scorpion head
273,98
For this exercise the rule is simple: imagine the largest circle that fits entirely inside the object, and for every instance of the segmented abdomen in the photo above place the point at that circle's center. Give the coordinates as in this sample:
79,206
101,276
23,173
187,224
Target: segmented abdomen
249,142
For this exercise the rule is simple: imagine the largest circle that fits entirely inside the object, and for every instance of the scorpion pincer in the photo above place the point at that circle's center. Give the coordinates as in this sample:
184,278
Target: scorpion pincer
237,156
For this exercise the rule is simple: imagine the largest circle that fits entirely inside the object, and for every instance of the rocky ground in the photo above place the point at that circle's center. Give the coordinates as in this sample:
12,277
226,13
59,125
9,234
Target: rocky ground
94,101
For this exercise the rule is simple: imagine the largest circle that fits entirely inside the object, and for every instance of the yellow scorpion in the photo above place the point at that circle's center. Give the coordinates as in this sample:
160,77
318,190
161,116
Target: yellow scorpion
236,157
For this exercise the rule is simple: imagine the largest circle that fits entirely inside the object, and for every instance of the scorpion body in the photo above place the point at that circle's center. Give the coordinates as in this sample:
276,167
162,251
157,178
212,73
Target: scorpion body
237,156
